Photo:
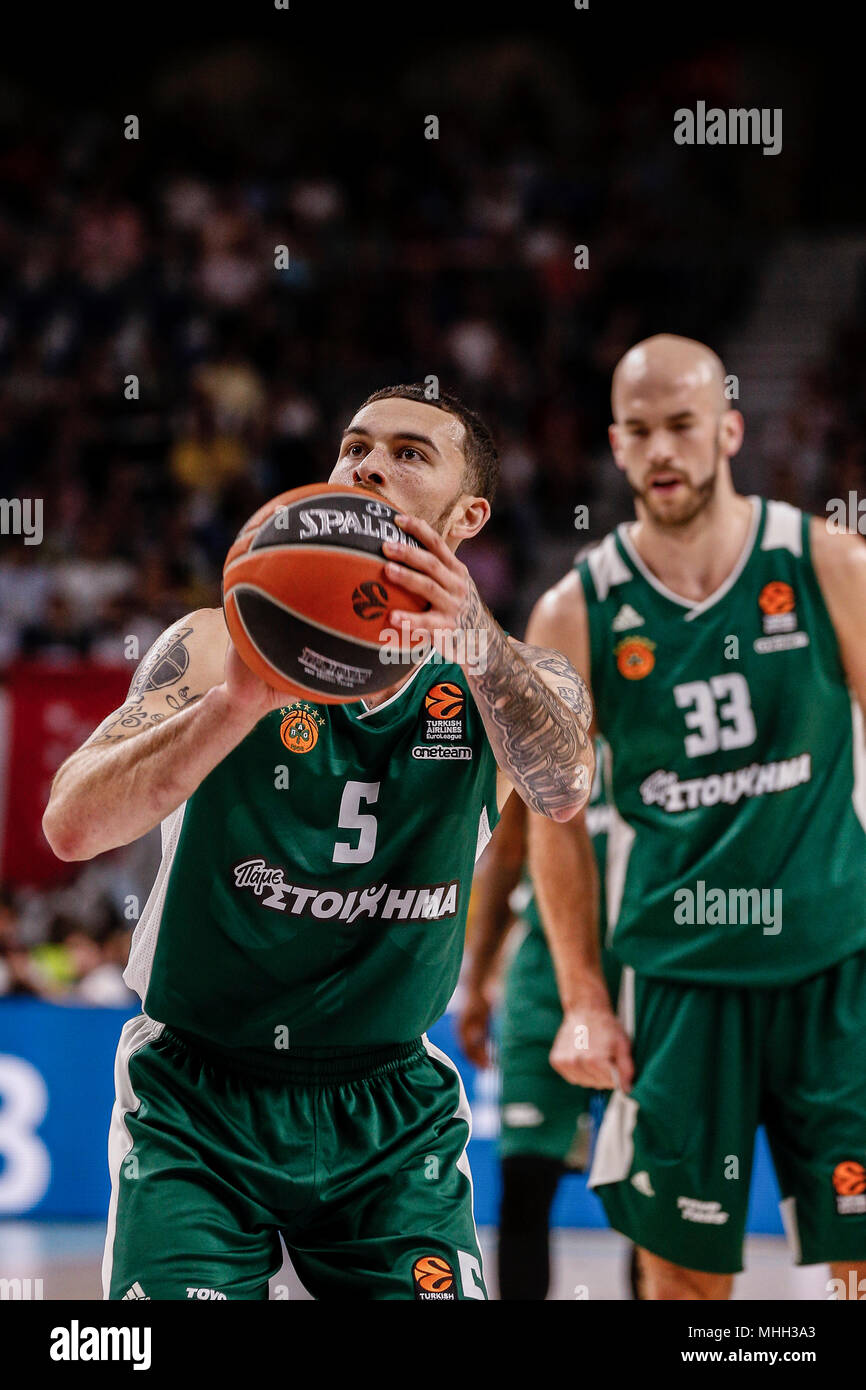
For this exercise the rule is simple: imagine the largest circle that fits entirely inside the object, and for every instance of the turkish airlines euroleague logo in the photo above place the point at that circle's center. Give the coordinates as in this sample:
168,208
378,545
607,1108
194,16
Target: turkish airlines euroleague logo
433,1279
444,705
849,1185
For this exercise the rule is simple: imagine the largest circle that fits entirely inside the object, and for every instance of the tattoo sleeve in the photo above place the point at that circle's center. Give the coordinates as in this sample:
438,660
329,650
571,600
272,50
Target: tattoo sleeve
540,735
123,721
163,666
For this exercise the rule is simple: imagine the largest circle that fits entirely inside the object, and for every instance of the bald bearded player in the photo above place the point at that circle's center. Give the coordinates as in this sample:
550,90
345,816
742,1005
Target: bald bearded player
724,640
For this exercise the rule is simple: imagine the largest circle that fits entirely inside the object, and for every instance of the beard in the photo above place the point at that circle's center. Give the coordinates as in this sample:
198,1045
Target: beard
694,498
438,522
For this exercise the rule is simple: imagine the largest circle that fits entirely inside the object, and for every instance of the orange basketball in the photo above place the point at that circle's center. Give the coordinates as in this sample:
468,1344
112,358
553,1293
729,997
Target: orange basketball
305,594
433,1274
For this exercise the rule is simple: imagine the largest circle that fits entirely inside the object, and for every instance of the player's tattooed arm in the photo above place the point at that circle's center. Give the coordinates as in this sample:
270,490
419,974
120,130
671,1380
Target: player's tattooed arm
159,687
536,708
537,712
179,720
163,665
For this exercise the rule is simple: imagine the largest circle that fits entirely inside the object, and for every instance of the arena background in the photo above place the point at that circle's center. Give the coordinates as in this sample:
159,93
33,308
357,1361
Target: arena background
154,258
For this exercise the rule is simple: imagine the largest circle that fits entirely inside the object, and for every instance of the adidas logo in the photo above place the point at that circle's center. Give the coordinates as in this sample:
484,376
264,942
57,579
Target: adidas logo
626,617
137,1292
643,1184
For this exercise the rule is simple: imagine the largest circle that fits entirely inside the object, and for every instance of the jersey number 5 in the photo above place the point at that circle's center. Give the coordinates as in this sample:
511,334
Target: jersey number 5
709,703
352,819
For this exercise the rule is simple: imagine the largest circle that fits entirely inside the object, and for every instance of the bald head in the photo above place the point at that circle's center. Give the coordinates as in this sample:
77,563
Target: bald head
667,364
674,432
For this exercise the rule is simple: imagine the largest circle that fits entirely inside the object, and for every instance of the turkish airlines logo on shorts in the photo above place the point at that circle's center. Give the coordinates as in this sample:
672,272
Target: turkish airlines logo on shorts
433,1278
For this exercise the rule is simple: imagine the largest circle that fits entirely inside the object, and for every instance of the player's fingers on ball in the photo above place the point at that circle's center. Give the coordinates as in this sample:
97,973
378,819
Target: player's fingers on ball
418,583
417,559
420,624
423,531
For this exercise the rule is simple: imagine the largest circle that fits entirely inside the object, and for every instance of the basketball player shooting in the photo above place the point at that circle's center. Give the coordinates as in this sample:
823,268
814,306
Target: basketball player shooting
306,924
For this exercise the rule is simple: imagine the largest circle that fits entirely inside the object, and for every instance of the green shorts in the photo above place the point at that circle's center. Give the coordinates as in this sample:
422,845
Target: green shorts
541,1114
357,1160
673,1161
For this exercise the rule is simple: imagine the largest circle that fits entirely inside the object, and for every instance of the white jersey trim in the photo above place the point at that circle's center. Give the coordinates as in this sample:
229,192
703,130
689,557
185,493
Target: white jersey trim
397,693
136,1034
462,1112
788,1213
485,834
858,748
146,934
783,528
695,609
607,567
614,1148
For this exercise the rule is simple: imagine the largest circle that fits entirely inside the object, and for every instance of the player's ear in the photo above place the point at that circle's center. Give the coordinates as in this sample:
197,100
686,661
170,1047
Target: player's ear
472,515
613,437
731,431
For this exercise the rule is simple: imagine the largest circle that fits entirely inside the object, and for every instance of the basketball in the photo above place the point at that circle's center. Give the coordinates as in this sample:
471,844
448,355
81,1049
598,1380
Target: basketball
305,595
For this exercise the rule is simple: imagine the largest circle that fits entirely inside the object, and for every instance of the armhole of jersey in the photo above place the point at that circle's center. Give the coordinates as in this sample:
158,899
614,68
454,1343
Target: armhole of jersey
587,584
818,592
806,542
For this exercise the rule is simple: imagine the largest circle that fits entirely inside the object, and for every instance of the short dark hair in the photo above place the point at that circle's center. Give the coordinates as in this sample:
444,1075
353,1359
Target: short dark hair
482,460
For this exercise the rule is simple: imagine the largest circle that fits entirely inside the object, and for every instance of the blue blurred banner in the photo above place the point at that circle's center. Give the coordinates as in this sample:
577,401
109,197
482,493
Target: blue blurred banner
57,1090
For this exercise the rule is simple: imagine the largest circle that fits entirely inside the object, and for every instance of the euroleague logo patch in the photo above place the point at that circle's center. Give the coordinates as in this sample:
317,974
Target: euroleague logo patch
635,657
849,1186
444,700
445,704
776,597
433,1280
370,600
777,604
300,727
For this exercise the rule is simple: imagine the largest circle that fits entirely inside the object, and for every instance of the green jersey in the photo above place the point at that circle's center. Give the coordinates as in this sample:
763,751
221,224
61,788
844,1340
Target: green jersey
313,889
737,852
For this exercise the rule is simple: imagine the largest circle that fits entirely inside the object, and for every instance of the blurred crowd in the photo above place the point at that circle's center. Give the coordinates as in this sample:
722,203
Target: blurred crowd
71,951
160,377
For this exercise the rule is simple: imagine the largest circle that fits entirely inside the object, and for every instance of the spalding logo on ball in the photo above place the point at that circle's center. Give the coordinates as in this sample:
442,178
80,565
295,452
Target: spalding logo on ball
305,594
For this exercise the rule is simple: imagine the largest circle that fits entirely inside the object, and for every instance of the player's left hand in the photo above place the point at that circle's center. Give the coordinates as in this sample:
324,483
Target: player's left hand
435,574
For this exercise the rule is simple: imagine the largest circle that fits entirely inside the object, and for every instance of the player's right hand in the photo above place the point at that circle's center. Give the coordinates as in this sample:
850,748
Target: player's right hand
473,1027
246,691
592,1049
